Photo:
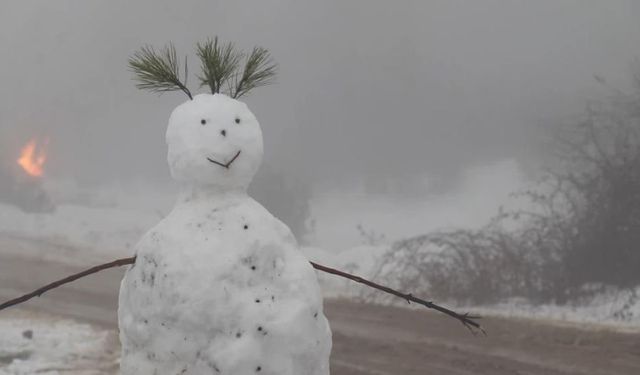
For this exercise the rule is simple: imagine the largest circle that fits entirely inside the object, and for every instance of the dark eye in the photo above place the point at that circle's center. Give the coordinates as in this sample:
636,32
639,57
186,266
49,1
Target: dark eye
203,121
237,120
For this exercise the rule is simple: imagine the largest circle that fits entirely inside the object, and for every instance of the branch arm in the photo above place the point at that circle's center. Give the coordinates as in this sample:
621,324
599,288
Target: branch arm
40,291
467,320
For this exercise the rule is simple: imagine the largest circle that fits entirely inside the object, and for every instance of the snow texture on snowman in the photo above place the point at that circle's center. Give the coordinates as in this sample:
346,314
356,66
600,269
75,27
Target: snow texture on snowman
219,285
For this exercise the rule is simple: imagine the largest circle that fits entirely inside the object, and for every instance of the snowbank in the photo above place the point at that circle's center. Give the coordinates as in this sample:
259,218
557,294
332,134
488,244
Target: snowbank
106,232
32,344
619,308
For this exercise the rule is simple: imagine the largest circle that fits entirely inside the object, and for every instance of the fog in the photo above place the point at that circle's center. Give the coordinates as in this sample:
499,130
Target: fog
366,89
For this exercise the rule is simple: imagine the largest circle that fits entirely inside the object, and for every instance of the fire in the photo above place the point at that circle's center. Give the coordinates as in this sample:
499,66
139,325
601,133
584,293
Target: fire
32,158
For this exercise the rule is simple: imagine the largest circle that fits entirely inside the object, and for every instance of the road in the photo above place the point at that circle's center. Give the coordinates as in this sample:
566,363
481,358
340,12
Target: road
368,339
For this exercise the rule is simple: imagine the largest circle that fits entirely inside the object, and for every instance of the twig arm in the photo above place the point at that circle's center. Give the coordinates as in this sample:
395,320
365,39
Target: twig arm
466,319
40,291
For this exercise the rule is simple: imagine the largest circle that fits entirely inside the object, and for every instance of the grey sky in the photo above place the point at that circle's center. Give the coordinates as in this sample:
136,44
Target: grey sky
366,88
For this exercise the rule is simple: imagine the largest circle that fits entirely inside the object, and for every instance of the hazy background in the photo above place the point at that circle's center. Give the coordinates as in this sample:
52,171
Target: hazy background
374,98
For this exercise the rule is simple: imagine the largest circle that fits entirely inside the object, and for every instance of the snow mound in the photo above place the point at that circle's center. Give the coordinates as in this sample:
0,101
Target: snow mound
36,344
607,308
107,231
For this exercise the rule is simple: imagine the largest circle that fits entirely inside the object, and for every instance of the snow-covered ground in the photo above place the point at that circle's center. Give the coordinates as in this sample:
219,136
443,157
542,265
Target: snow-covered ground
102,232
619,309
105,222
39,344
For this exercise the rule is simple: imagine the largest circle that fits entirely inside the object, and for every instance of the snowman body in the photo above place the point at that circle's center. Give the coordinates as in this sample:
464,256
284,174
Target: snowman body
219,286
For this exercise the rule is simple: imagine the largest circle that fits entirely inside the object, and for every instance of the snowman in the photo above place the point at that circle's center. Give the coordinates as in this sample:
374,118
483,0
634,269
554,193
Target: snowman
219,285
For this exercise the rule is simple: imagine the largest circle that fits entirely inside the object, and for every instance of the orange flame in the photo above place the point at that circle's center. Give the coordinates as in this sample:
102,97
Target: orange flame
32,158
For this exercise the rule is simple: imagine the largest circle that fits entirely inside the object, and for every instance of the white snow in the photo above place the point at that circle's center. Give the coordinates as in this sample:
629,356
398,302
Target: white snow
103,233
212,129
612,308
34,343
219,285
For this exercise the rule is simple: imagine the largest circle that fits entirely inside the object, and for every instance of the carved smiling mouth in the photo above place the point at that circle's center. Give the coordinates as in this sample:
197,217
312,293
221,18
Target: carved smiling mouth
227,164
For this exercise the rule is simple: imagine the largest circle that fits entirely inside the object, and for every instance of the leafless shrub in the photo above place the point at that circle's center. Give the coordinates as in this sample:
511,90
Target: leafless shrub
582,225
484,265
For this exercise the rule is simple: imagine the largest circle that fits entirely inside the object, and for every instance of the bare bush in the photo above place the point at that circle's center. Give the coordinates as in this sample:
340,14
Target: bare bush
470,266
582,225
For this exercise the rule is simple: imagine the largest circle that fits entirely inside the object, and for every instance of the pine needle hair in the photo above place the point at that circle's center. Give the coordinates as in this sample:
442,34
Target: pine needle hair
224,69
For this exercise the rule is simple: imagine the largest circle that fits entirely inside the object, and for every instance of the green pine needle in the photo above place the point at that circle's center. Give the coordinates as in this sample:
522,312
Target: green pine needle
259,70
219,62
158,71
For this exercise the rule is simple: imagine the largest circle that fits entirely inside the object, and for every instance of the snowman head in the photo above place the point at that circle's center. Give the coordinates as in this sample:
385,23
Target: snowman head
214,141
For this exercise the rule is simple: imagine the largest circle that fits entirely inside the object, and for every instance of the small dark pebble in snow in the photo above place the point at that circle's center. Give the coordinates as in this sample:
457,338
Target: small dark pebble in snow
258,368
28,334
257,301
246,226
253,268
260,328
